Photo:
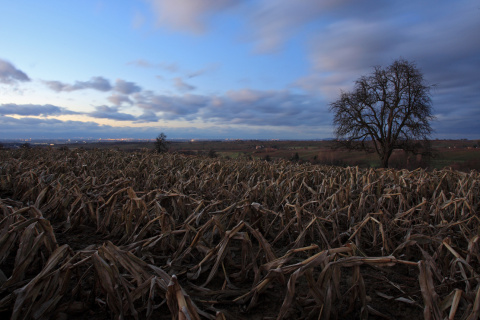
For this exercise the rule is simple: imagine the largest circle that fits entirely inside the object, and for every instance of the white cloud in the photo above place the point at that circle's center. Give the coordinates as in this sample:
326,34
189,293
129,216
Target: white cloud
167,66
199,72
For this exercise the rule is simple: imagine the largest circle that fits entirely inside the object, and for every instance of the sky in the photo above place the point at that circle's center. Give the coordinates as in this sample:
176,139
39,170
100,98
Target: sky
238,69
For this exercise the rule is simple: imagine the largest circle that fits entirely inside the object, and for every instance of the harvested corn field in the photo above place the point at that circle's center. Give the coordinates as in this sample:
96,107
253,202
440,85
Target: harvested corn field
113,235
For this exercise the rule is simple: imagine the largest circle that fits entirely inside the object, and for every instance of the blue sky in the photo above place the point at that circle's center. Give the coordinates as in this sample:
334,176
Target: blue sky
223,68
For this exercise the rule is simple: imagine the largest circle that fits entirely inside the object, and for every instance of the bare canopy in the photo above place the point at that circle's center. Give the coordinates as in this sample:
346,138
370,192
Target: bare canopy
161,144
388,109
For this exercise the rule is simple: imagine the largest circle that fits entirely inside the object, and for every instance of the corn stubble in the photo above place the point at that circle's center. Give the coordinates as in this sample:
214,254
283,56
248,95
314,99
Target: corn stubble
170,236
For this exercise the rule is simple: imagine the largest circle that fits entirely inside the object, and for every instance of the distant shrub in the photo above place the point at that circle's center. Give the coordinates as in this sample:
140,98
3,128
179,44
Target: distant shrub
161,144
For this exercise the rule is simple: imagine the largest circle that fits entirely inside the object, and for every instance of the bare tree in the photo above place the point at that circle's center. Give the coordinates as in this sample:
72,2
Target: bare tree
161,144
389,109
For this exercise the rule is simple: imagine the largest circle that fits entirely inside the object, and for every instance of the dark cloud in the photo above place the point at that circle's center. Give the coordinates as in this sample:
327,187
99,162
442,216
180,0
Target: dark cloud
148,116
171,107
57,129
270,22
188,15
13,128
96,83
269,108
441,40
33,110
9,74
273,22
57,86
182,85
460,125
126,87
239,107
105,112
345,39
118,99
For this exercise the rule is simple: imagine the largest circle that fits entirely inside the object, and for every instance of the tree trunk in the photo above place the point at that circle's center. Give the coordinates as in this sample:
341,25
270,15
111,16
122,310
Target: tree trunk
384,162
384,158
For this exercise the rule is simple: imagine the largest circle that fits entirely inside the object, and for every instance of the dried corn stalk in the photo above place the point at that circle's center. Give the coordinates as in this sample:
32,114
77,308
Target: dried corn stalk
139,235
